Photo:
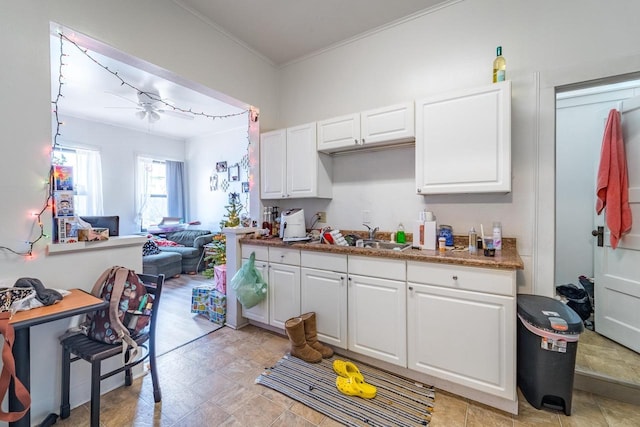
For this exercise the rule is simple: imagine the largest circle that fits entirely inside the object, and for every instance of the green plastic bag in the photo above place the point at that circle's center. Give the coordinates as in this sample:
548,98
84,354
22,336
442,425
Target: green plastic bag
248,283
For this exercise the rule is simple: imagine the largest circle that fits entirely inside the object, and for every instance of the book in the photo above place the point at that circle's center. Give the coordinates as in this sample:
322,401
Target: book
67,228
63,178
63,203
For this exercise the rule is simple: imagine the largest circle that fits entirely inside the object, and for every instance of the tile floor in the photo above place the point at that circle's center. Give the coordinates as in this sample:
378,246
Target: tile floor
599,354
210,382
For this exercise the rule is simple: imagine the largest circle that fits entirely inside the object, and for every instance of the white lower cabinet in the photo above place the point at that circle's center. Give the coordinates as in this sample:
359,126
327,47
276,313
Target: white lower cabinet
283,284
461,326
324,291
284,293
454,323
377,309
259,312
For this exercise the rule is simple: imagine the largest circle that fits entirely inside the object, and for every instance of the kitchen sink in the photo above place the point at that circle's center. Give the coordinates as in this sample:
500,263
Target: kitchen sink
386,245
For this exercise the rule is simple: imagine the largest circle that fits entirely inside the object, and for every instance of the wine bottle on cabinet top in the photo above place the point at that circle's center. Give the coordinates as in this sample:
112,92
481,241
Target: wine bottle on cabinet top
499,66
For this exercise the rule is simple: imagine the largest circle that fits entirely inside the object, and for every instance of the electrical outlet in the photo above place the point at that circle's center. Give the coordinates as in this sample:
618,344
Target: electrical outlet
366,217
322,217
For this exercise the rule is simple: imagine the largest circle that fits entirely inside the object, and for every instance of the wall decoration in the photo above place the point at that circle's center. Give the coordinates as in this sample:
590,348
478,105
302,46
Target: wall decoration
224,185
221,166
213,182
245,187
234,172
245,162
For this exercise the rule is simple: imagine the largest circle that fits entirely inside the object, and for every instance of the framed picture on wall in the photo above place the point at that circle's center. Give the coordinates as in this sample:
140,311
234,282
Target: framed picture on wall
221,166
234,173
245,187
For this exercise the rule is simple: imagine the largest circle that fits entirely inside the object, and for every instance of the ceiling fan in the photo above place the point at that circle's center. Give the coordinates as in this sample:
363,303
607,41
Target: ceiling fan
149,106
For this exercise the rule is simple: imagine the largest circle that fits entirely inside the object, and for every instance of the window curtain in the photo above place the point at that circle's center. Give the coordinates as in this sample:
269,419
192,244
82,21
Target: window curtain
176,206
88,177
143,193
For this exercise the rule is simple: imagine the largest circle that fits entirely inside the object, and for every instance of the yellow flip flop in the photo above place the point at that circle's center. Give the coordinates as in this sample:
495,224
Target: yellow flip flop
352,387
347,370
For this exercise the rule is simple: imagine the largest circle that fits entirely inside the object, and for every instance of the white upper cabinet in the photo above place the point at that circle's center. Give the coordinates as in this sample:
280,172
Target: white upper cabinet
290,166
273,160
463,141
381,126
339,133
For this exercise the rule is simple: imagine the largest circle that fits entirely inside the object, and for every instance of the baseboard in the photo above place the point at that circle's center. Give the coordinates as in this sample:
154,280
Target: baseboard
607,387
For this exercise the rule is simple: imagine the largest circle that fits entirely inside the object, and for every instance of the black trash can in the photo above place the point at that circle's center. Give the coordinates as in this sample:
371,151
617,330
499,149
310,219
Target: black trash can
548,333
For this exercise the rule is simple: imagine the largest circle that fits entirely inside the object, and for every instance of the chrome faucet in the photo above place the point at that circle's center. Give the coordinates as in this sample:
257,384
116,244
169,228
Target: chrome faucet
372,232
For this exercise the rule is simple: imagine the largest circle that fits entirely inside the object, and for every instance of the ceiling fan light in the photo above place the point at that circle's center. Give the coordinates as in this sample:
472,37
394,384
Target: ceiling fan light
141,114
153,117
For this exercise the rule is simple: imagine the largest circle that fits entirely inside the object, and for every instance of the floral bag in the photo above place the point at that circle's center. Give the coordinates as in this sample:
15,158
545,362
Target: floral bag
10,300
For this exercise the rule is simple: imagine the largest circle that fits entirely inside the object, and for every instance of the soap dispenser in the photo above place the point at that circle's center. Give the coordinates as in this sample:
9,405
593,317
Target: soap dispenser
400,234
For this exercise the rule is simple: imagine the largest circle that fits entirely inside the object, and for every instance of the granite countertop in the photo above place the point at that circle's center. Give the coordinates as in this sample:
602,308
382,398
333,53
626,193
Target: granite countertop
506,259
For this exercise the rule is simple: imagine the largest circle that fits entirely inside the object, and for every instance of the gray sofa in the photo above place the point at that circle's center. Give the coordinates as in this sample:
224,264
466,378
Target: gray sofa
167,263
193,242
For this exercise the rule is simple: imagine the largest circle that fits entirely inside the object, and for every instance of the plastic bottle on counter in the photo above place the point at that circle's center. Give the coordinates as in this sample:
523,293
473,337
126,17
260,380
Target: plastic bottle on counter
418,230
400,234
473,237
497,235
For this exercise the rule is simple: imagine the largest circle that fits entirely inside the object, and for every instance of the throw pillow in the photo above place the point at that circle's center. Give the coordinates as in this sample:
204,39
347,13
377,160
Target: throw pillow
150,248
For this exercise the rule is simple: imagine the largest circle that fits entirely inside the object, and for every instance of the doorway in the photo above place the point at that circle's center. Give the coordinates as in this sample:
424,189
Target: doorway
127,108
580,118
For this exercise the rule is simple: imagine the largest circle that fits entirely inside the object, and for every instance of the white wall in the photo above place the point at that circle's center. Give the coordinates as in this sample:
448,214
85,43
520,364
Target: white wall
119,148
202,154
449,49
157,31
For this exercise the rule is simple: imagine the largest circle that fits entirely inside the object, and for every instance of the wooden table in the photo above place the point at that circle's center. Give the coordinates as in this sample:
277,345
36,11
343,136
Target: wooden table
78,302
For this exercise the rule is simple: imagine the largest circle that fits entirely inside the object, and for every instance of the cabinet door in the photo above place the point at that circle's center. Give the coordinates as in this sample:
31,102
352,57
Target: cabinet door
325,293
339,133
284,293
302,161
377,318
272,164
382,126
465,337
463,141
259,312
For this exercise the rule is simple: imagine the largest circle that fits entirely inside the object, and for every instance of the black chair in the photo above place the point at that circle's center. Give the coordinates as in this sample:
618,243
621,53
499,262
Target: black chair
95,352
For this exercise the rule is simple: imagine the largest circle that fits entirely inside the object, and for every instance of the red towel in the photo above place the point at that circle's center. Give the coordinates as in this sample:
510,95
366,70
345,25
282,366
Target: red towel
613,182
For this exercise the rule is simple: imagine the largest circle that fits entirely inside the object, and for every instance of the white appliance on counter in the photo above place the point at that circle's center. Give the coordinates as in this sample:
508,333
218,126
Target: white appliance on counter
292,225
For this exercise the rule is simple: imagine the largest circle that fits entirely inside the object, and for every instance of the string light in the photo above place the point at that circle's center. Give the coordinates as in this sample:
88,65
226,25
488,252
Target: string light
151,95
251,114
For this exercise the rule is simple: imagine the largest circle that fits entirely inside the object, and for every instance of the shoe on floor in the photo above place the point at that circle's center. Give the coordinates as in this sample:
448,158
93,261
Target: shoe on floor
352,387
347,369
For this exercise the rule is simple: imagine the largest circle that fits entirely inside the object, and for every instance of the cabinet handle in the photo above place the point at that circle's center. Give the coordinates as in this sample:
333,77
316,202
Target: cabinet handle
362,141
356,141
411,288
341,277
419,190
455,277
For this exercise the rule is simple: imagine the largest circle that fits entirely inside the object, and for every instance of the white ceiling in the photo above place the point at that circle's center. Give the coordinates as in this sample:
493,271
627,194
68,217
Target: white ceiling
285,30
280,31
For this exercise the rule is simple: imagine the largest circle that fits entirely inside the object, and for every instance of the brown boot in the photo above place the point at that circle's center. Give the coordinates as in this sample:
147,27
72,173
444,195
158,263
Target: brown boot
299,347
311,335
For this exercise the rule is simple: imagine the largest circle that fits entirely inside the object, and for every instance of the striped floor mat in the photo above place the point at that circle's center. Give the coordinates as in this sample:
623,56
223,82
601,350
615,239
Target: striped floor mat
398,402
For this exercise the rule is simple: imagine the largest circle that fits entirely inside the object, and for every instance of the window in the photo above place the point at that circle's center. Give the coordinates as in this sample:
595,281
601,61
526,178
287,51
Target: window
87,178
151,191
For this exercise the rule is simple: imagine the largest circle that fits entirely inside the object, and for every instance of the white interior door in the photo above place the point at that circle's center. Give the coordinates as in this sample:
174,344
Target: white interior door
617,272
